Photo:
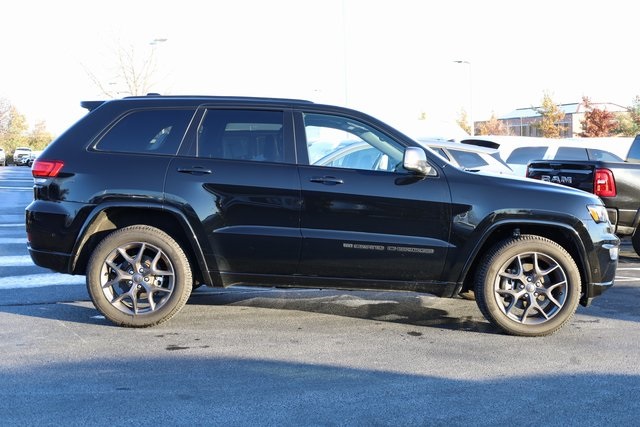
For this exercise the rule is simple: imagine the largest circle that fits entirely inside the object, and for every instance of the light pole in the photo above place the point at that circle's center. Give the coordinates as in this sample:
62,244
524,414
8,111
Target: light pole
473,131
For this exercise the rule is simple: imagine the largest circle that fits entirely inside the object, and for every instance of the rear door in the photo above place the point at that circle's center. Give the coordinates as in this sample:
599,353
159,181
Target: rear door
239,180
364,217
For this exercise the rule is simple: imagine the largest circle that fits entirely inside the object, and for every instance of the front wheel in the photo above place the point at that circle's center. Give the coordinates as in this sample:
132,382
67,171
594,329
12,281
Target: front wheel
528,286
139,276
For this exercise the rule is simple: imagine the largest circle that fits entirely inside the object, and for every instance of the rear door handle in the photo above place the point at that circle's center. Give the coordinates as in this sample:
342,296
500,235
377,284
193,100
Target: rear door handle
196,170
326,180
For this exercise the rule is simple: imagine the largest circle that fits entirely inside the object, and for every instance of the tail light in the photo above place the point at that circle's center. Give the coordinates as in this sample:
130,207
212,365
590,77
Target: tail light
604,185
46,168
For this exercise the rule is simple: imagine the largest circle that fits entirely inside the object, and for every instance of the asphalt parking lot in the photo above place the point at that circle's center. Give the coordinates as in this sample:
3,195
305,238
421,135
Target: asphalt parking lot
268,356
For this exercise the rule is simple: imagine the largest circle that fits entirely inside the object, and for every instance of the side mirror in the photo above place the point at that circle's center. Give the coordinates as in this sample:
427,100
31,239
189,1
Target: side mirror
415,160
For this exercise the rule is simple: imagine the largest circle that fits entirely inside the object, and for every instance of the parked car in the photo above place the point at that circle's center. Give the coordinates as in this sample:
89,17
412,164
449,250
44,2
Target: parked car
360,155
32,157
615,181
21,156
3,159
151,196
517,152
469,157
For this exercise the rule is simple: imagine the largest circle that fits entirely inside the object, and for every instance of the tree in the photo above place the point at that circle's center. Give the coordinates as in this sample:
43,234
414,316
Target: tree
39,137
463,121
629,122
597,122
133,73
13,127
493,127
551,116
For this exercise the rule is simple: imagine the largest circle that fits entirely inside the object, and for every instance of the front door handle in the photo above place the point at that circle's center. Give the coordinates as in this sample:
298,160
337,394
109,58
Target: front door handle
196,170
326,180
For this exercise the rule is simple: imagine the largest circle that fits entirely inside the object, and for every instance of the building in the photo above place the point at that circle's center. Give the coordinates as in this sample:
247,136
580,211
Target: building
522,121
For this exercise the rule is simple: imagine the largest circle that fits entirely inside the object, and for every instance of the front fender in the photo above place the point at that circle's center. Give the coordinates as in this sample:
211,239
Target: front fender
565,229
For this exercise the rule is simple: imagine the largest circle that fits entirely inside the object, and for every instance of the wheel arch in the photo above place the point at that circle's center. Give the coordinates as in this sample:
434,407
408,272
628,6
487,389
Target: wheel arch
563,234
107,218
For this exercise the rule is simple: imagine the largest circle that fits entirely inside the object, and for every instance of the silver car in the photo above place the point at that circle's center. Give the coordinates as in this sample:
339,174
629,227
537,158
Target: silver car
359,155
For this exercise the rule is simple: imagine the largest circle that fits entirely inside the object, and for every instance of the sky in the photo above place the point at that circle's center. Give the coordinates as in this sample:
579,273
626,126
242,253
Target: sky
393,59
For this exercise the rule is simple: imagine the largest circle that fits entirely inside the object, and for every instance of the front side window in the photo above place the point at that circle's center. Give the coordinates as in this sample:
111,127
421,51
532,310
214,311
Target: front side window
148,131
253,135
335,141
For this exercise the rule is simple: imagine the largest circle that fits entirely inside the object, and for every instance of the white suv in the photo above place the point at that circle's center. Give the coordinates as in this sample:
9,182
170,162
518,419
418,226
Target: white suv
21,156
3,159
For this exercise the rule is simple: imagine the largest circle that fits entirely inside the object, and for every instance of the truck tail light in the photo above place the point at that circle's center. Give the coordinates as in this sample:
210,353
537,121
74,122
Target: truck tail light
604,185
46,168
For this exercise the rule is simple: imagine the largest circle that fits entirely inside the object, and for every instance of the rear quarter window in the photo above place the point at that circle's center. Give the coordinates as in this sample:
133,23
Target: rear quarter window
605,156
148,132
571,153
467,159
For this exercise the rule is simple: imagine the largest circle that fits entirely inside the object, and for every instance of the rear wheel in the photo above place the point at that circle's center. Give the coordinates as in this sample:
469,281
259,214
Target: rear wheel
528,286
139,276
635,241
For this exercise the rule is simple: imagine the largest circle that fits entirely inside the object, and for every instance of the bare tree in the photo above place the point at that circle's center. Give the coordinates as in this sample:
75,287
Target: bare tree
132,72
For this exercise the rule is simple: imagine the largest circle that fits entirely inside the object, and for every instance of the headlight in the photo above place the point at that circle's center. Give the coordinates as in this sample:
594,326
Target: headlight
598,213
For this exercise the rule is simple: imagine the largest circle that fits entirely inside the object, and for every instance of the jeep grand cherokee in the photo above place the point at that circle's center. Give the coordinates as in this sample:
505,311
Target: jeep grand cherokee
151,196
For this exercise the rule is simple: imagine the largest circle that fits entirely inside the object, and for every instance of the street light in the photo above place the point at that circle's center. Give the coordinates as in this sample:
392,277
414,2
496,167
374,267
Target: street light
473,131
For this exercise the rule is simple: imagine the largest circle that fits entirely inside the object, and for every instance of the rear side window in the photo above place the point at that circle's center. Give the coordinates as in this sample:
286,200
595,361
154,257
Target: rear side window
253,135
148,131
523,155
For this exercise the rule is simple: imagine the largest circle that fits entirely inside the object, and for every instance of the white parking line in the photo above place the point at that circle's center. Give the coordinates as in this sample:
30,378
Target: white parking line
626,279
10,240
40,280
15,261
12,225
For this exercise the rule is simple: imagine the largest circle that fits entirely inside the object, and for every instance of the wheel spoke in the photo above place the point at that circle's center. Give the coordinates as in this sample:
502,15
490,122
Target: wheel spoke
139,255
126,256
154,266
539,271
548,292
514,297
120,275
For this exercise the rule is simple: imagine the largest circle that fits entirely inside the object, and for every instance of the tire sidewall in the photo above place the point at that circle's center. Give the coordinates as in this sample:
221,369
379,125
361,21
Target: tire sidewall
152,236
492,267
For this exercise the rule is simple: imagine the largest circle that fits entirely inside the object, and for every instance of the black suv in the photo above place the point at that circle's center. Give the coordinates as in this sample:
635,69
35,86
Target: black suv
152,196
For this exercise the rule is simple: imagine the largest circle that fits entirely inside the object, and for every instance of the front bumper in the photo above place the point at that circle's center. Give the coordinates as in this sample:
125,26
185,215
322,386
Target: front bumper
604,263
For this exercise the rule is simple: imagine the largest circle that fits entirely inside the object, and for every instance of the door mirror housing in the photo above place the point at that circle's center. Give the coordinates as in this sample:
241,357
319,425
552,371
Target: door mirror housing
415,160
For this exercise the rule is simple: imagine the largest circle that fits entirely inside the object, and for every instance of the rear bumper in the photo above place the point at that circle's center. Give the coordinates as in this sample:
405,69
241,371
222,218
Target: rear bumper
55,261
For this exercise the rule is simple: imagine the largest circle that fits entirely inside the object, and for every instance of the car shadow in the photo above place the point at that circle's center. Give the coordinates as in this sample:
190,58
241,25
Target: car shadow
420,310
398,307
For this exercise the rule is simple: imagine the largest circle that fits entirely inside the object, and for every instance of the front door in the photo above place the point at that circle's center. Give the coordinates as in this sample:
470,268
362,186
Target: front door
363,216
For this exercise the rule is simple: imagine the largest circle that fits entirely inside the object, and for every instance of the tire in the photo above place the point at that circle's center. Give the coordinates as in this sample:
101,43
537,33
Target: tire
129,265
635,241
523,269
